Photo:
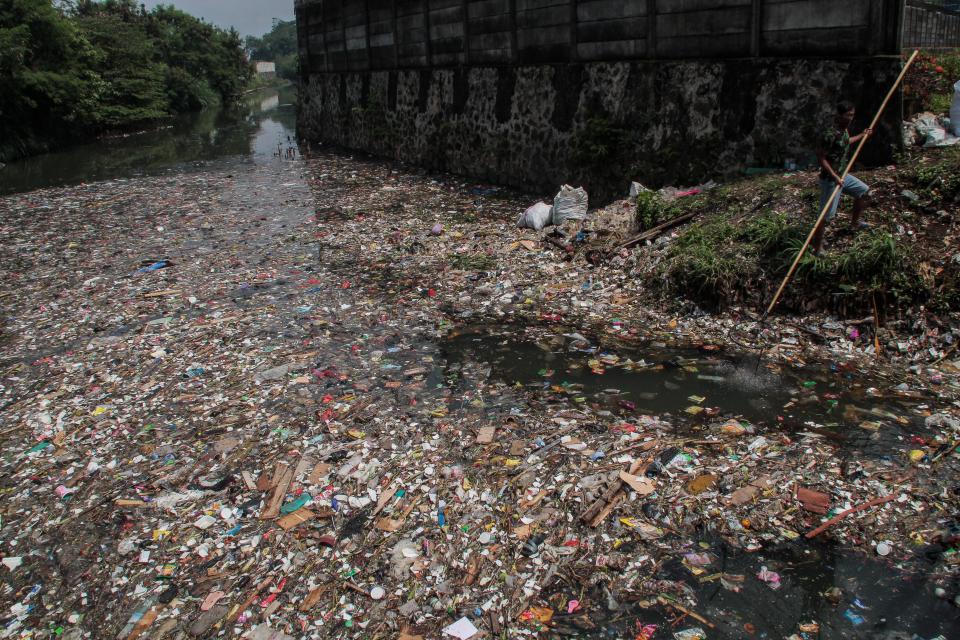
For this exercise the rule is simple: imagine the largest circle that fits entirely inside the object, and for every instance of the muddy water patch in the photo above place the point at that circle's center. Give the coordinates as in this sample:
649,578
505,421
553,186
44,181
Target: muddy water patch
698,386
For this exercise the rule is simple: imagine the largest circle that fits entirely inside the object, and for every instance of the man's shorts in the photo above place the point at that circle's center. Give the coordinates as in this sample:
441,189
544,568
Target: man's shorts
852,186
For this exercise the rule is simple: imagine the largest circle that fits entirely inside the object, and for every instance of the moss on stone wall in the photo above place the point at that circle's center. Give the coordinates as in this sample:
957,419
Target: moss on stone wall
598,124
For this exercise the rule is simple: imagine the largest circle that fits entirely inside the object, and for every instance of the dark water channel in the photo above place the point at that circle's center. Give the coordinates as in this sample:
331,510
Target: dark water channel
846,405
253,128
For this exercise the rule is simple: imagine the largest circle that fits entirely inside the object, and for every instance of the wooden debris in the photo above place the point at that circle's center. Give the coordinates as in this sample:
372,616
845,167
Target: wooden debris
650,234
473,569
313,598
843,514
280,486
608,501
159,294
120,502
669,602
385,496
813,501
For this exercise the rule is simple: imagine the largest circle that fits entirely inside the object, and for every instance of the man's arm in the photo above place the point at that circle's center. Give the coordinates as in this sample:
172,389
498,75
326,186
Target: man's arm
825,164
866,134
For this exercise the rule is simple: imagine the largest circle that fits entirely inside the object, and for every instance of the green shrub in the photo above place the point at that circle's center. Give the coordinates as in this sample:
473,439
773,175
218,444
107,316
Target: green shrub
718,262
930,78
941,102
877,263
708,263
652,209
773,233
942,177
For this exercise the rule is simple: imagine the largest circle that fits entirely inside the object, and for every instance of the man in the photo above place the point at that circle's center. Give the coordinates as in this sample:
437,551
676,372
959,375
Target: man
833,153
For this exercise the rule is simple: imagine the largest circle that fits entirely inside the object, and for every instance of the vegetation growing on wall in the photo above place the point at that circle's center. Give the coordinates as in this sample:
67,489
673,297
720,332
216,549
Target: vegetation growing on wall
72,71
601,156
929,83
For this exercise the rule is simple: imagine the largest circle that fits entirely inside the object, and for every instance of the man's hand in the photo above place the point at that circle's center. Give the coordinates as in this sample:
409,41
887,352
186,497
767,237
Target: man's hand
838,180
867,133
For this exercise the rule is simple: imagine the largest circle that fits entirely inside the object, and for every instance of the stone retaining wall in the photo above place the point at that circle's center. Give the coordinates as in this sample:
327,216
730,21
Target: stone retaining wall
603,123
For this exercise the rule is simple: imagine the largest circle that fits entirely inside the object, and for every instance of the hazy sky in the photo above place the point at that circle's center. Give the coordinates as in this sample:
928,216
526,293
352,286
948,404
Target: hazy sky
250,17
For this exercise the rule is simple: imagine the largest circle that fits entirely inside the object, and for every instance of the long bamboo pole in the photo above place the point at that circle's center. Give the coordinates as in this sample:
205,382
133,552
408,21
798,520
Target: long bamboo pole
836,190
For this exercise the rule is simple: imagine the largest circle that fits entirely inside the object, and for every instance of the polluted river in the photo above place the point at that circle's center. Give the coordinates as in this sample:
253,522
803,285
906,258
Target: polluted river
248,392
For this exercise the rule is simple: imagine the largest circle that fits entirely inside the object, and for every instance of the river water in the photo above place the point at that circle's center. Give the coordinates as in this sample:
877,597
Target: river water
264,120
240,239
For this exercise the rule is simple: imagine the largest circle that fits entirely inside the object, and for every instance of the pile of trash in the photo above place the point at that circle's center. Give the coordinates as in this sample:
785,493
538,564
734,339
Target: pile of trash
935,130
232,404
929,130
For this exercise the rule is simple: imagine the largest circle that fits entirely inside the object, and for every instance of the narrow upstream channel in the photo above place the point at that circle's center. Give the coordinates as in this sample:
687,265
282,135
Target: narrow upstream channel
263,120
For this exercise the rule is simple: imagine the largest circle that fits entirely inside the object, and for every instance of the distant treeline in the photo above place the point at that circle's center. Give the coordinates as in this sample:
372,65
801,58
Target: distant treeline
74,70
279,45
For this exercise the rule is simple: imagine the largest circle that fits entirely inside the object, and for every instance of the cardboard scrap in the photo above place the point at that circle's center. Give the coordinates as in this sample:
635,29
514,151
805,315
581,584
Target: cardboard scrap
743,495
486,435
319,471
393,524
746,494
641,485
462,629
701,483
296,518
813,501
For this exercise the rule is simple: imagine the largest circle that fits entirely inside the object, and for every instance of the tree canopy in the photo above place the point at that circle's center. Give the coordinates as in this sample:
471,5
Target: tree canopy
279,46
76,69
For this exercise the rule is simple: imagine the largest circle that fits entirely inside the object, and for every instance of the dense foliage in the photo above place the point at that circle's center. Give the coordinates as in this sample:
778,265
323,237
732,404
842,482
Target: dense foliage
75,70
279,46
929,83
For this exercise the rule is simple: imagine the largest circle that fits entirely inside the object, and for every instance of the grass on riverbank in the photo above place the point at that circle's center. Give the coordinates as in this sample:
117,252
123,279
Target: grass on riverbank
748,233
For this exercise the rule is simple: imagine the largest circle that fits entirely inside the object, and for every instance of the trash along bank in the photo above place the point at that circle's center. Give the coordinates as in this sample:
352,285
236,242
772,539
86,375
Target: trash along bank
254,400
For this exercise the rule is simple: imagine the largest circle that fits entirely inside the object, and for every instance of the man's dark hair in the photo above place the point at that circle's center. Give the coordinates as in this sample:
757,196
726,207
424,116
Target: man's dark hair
845,106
